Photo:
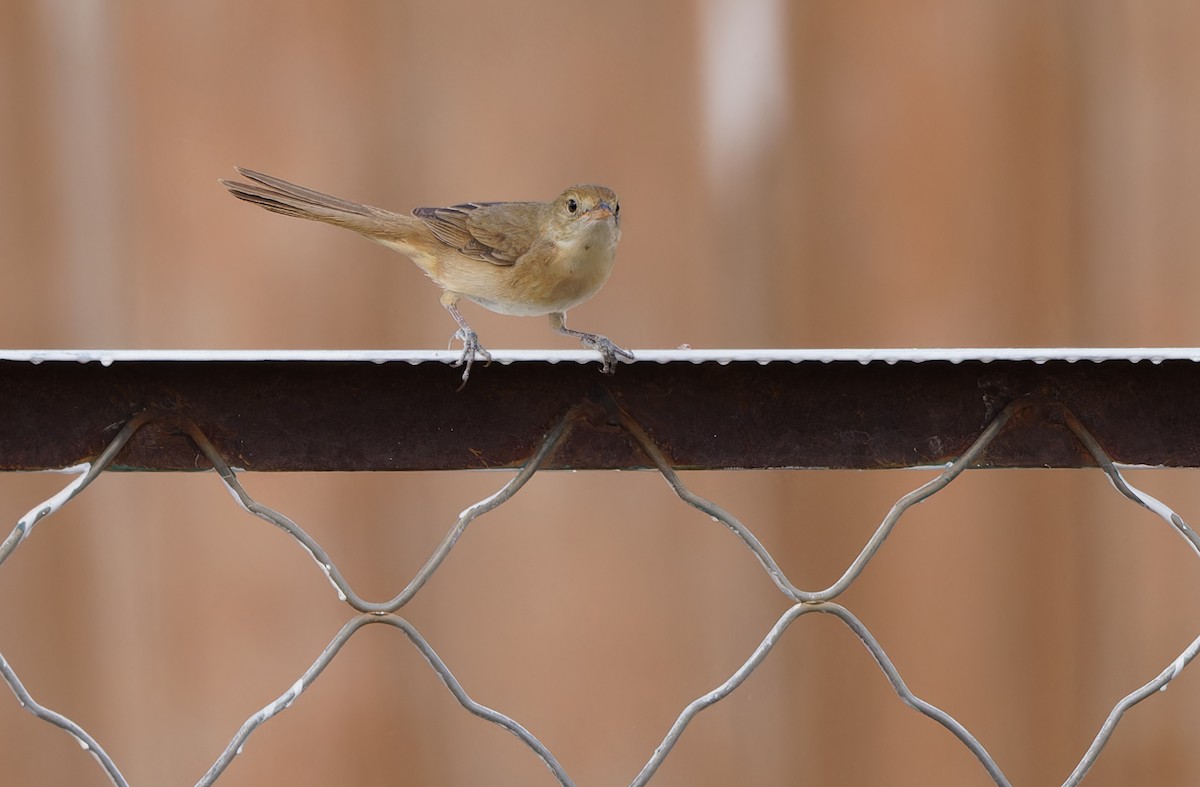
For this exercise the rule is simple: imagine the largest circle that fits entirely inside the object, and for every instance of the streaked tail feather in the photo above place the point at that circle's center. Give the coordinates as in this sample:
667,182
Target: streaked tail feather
280,196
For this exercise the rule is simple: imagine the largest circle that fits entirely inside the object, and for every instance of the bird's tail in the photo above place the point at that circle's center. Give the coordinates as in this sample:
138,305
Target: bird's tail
280,196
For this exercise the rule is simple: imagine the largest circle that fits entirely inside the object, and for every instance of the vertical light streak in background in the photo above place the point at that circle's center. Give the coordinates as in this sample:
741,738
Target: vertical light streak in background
743,78
78,43
743,85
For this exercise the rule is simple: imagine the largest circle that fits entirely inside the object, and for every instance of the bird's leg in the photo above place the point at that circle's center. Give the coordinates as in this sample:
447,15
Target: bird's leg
593,341
470,340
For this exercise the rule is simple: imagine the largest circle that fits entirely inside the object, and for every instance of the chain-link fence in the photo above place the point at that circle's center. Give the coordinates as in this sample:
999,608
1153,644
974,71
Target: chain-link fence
1051,409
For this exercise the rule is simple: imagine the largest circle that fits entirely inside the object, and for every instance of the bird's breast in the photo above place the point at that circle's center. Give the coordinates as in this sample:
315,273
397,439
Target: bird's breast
553,277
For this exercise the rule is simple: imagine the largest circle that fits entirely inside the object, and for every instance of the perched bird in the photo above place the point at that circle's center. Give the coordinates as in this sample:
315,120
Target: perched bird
522,258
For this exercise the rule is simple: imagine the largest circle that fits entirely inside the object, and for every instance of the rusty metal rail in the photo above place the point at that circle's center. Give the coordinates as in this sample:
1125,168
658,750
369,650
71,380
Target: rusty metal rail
288,411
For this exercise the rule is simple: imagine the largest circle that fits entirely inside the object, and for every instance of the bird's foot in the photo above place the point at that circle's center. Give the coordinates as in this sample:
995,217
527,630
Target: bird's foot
606,347
471,349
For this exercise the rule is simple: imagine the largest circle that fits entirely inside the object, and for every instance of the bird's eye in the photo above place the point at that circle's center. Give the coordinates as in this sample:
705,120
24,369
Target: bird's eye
572,206
617,209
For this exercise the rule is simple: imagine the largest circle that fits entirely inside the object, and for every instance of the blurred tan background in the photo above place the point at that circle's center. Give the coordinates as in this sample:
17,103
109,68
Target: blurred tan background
793,174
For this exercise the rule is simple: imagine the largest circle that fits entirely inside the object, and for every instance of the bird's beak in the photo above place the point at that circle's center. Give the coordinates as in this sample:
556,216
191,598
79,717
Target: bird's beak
602,211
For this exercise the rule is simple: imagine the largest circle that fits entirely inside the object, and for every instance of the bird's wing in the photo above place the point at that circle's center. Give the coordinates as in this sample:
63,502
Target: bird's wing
495,232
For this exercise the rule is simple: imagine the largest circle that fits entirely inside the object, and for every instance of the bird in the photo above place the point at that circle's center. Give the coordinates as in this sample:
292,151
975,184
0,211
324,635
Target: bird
519,258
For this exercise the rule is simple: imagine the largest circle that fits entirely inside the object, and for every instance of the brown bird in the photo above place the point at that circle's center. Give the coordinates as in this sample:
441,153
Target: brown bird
522,258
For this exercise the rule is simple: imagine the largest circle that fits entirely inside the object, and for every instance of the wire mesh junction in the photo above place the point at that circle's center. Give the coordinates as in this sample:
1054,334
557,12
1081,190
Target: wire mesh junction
803,601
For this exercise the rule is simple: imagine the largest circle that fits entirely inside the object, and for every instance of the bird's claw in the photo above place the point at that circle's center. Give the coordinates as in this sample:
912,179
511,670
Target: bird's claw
471,349
608,350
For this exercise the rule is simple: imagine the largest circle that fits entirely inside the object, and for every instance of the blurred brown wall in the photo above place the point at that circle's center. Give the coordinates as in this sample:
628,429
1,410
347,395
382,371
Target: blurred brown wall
793,174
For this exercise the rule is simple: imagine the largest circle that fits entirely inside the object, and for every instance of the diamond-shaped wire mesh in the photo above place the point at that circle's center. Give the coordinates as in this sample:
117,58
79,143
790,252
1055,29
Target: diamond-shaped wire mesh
800,601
